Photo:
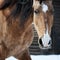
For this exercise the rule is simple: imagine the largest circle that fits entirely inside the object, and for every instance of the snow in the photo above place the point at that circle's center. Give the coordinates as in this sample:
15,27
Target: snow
38,57
45,57
11,58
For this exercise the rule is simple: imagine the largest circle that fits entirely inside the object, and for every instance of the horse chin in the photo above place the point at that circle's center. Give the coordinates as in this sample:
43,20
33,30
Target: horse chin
44,48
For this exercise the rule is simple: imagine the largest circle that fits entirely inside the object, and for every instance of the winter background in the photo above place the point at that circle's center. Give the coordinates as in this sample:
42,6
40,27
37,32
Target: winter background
39,57
45,57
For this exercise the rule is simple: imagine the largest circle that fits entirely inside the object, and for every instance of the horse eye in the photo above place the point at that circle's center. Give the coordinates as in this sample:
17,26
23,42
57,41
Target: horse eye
36,11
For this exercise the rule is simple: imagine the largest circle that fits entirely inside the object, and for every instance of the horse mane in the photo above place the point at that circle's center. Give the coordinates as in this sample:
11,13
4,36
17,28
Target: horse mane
23,10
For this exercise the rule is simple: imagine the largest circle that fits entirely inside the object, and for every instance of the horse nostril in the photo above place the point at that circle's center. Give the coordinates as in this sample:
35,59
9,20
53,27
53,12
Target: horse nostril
49,42
40,42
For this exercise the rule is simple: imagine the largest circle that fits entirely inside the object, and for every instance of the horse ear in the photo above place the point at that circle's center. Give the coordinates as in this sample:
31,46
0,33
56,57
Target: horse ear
33,2
49,2
1,3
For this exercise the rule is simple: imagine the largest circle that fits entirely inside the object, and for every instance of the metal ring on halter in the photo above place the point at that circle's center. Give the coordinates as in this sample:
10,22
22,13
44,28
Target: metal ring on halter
23,2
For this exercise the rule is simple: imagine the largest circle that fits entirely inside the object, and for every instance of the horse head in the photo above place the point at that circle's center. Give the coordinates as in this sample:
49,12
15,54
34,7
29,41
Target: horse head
42,20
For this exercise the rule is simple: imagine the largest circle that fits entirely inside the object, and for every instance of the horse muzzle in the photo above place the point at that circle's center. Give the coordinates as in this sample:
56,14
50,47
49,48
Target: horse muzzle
45,42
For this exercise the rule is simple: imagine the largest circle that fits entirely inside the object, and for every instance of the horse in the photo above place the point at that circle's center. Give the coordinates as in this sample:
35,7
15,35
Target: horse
16,33
43,22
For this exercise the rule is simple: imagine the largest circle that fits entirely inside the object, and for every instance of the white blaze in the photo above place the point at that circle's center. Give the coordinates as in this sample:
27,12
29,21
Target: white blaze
44,7
46,38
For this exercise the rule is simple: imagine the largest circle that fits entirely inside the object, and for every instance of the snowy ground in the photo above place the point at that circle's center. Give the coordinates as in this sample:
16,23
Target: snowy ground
39,57
45,57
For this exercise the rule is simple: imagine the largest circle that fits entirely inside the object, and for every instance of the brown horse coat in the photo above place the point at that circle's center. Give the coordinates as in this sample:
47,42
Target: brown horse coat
14,38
